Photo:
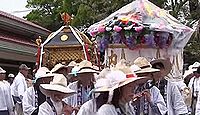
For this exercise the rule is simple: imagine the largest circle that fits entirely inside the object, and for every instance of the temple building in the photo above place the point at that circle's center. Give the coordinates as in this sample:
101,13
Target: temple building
17,41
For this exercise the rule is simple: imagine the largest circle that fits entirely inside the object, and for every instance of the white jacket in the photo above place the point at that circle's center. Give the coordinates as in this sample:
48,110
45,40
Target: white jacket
6,100
175,102
45,108
19,85
28,101
88,108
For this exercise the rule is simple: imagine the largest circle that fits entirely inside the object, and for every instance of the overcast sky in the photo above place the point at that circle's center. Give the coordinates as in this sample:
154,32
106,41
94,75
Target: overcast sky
13,6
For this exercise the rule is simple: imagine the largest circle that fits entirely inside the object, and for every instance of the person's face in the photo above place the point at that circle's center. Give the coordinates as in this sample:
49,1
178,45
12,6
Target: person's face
86,79
57,97
128,92
45,80
2,76
67,109
25,72
63,71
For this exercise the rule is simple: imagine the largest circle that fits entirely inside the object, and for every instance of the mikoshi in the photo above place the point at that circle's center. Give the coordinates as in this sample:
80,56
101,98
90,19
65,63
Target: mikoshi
142,29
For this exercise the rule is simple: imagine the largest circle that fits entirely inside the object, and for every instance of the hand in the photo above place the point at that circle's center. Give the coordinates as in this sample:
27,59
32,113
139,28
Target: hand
136,96
67,109
76,109
147,94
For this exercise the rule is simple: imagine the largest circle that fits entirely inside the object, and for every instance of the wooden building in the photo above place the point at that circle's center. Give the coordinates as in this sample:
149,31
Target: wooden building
17,41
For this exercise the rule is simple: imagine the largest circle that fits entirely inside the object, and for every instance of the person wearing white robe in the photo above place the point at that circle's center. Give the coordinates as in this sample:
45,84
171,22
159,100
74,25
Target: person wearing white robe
29,103
55,92
175,102
6,100
197,112
120,95
158,101
194,85
46,109
90,107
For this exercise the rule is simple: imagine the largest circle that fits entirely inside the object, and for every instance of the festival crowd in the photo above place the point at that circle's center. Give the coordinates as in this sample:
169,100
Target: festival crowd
140,87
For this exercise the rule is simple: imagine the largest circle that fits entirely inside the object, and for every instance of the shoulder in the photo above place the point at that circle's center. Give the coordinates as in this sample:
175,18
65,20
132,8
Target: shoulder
88,104
30,90
44,106
106,108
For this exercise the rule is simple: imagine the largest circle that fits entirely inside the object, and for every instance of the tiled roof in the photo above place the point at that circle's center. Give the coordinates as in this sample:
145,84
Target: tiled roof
7,15
16,39
17,48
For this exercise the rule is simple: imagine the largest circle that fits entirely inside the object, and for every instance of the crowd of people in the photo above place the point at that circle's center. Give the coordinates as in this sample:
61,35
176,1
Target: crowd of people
128,88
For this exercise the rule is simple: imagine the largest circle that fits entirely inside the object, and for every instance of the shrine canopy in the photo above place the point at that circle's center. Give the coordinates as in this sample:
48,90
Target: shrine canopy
141,24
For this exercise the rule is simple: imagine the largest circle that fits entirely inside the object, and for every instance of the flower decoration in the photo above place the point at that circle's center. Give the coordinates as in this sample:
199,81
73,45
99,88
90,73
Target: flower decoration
130,31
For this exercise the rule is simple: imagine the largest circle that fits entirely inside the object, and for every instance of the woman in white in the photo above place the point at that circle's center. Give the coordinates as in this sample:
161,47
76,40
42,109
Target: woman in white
55,92
121,91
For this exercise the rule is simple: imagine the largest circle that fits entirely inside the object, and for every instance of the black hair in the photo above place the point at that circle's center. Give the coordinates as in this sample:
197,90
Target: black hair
158,65
198,70
116,97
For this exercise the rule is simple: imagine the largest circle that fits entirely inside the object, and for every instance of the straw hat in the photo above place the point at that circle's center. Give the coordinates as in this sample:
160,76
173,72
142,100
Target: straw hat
72,64
166,63
42,72
58,85
84,67
57,67
118,79
144,65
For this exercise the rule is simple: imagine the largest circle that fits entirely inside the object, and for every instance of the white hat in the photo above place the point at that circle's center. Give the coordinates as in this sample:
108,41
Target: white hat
72,63
11,75
83,67
103,73
145,66
58,85
57,67
42,72
118,79
2,70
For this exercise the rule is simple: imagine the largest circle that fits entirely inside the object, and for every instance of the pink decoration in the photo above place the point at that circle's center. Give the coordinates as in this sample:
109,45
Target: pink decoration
117,28
138,29
101,29
93,32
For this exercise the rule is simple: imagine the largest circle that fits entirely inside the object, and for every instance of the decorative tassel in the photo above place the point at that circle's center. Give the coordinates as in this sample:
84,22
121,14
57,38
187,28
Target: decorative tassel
87,52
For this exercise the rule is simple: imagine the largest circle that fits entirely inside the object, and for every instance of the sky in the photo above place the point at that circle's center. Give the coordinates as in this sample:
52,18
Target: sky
12,6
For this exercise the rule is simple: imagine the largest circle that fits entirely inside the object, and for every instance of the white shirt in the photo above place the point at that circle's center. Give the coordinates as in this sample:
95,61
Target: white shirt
175,102
28,101
197,112
46,109
196,82
88,108
19,85
72,100
6,100
107,109
157,99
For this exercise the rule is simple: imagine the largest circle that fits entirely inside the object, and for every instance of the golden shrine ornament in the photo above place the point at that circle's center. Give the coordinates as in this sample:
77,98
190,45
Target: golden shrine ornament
64,38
